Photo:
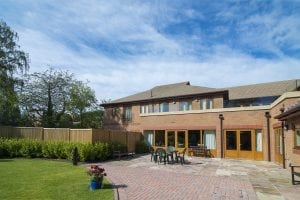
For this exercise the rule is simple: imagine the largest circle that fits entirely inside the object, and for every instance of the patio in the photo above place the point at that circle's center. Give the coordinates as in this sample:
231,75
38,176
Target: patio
200,178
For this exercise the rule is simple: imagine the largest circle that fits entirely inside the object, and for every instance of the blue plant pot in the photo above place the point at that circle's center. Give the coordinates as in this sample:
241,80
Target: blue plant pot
95,184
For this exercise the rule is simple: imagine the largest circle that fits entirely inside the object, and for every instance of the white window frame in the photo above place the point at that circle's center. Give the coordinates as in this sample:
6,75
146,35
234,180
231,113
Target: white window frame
206,104
185,105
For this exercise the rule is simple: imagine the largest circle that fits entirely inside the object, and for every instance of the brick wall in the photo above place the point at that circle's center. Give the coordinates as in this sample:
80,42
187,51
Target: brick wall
239,118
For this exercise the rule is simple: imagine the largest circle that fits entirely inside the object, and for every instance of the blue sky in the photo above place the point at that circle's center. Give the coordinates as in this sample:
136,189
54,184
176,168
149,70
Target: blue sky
124,47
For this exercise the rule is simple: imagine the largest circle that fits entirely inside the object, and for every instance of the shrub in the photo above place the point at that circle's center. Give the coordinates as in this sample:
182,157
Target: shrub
141,147
31,148
63,150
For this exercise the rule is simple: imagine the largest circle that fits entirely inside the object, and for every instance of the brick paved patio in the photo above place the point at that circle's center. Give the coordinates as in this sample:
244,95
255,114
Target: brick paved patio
200,178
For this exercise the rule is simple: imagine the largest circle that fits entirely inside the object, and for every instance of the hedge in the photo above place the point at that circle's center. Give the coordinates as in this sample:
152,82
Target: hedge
141,147
10,148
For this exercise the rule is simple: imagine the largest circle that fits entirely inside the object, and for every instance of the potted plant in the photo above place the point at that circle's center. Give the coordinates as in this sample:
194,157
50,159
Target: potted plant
96,173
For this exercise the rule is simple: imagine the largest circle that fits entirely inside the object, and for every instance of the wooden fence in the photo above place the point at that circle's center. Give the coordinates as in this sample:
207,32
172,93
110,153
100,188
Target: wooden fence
72,135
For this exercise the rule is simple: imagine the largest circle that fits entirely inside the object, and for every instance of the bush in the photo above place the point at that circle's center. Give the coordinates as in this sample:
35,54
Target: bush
63,150
141,147
31,148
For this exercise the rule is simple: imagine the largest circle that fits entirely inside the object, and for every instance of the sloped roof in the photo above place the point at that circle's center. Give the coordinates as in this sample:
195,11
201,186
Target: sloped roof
262,89
291,112
167,91
239,92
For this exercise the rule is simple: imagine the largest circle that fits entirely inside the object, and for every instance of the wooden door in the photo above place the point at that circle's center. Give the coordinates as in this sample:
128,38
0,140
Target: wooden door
240,144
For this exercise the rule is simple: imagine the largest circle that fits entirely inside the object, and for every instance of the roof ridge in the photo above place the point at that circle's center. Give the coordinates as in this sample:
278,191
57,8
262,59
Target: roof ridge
173,84
263,83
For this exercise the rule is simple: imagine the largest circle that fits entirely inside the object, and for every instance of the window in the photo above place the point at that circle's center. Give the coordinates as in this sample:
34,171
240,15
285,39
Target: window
149,137
297,138
181,139
258,140
194,137
278,141
185,105
164,107
209,138
144,109
127,114
206,104
160,138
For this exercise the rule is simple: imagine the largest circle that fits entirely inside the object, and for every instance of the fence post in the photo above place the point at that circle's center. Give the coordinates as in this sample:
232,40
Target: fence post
69,138
43,136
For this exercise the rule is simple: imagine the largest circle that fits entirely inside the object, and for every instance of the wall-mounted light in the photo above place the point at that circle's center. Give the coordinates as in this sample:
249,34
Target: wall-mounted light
286,125
221,117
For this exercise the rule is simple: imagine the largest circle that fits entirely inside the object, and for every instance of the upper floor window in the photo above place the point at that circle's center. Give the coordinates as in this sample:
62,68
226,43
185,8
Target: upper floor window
164,107
185,105
127,114
206,104
144,109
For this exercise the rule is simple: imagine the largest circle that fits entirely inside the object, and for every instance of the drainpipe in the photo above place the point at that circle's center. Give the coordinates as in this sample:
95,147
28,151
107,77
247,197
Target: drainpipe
268,116
283,140
221,117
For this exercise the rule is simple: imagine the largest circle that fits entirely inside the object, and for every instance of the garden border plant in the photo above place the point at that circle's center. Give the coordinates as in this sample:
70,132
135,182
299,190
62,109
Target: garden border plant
99,151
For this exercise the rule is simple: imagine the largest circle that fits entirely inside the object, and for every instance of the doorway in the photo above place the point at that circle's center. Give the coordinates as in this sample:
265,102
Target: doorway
244,144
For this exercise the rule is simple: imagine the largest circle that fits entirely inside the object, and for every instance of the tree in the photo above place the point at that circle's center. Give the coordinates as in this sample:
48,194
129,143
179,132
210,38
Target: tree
12,61
56,99
45,96
83,103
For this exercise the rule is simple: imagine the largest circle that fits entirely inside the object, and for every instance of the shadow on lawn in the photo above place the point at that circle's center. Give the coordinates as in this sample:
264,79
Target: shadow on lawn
6,160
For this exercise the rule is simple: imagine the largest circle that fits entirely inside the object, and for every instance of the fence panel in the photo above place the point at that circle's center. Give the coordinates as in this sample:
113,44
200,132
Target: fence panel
56,134
118,136
81,135
6,131
101,135
34,133
132,138
73,135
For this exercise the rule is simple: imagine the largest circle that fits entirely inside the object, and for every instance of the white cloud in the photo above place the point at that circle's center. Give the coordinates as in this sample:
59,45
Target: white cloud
140,55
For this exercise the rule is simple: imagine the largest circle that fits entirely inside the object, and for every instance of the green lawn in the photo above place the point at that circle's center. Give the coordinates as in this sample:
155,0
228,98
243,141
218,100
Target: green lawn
46,179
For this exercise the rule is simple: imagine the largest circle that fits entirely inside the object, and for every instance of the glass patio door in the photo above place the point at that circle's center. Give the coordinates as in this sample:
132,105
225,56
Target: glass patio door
171,138
245,145
231,150
239,144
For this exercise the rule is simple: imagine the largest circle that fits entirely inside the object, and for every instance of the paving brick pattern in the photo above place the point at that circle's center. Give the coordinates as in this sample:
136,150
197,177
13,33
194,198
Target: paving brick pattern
141,179
200,178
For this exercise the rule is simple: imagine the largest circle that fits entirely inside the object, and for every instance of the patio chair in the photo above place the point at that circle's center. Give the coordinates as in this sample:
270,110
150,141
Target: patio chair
180,156
161,155
153,154
170,153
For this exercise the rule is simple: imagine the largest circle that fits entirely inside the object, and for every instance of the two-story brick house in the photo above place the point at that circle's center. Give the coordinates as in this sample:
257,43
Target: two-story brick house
183,115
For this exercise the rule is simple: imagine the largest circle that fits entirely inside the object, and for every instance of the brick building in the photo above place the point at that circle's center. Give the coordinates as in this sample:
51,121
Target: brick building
183,115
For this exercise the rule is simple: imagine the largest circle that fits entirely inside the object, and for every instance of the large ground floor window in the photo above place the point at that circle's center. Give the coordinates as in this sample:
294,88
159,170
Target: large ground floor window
159,138
206,137
182,138
149,137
